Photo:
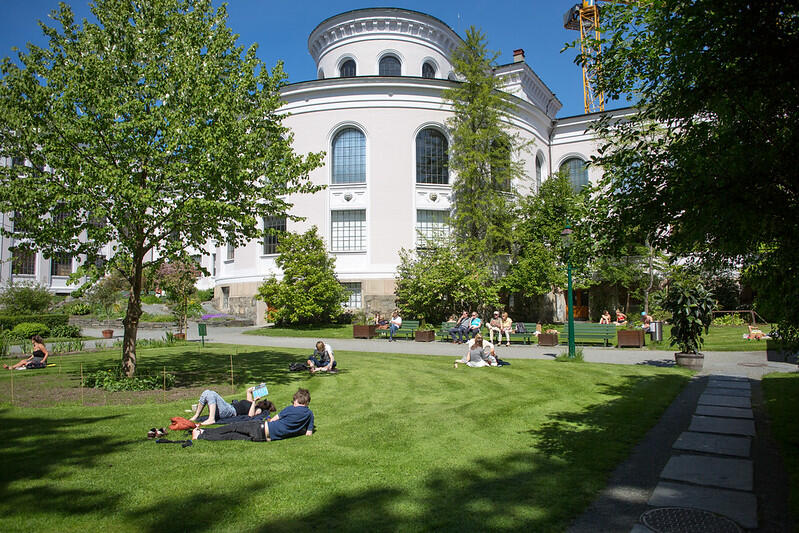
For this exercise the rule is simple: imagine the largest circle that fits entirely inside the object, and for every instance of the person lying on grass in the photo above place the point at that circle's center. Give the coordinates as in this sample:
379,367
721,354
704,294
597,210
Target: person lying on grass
480,353
295,420
218,407
322,359
37,360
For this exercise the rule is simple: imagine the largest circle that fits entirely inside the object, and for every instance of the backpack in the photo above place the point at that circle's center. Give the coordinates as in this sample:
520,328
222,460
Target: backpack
298,367
520,327
179,423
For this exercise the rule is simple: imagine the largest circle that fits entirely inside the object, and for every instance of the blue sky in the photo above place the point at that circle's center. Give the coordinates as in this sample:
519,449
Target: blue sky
281,29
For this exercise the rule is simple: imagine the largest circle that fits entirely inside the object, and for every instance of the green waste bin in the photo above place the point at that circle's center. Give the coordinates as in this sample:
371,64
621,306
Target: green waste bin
201,330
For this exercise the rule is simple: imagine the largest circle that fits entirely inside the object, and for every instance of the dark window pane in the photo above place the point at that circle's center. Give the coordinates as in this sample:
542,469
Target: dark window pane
348,69
578,172
428,71
271,239
61,265
23,263
390,66
432,160
349,156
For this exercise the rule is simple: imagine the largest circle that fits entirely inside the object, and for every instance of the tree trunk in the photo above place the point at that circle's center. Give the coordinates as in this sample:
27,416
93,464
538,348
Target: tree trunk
131,321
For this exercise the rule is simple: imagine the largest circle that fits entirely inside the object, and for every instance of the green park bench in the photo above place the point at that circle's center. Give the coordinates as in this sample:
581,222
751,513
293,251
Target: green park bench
407,330
525,337
590,332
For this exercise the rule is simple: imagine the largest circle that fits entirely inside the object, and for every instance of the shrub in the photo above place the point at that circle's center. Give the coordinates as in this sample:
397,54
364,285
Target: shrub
150,299
691,308
79,308
5,343
205,295
729,319
114,380
67,331
51,320
25,298
26,330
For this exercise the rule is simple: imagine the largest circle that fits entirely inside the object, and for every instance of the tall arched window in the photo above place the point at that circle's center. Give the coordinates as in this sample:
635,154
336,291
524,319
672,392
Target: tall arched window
347,69
428,70
432,160
539,167
349,156
390,66
578,172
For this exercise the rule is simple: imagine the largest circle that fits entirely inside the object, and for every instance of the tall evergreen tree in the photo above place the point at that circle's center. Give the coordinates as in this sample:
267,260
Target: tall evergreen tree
484,152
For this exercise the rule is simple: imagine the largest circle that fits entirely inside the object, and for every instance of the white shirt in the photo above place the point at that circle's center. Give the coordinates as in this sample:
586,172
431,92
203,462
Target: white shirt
397,321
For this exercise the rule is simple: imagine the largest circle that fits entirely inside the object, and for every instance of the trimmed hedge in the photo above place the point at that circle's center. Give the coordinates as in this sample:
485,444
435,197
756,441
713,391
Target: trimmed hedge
49,320
26,330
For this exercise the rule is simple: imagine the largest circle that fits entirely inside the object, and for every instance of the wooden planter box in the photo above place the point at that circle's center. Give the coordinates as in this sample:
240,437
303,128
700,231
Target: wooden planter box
548,339
424,336
180,336
694,361
108,333
630,338
364,331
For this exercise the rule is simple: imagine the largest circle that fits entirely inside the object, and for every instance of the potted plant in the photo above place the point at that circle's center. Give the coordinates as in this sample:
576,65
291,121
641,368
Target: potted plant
362,327
548,336
425,333
691,307
631,335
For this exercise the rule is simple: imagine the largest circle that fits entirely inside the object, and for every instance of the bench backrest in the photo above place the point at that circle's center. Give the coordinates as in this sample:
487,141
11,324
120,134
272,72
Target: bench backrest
591,328
410,324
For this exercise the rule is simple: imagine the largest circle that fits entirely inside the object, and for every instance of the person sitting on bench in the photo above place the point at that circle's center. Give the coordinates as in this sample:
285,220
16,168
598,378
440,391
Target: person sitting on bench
38,358
295,420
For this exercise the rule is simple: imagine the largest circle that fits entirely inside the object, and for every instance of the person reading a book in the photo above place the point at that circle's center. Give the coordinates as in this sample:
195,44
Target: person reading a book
322,359
219,408
293,421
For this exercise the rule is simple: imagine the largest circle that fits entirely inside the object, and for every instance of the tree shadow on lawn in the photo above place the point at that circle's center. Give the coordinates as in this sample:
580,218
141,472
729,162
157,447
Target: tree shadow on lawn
543,488
33,447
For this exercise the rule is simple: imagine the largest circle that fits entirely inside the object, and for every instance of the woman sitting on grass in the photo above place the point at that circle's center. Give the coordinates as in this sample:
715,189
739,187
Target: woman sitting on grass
481,353
37,360
218,407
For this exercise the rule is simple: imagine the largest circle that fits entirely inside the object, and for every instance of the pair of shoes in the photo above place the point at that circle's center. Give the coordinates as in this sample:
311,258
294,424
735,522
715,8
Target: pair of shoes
153,433
160,432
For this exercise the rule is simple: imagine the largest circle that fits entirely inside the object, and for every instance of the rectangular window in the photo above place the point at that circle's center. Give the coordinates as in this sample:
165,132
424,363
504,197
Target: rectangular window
348,230
61,265
270,238
23,263
432,226
231,251
213,265
21,224
354,301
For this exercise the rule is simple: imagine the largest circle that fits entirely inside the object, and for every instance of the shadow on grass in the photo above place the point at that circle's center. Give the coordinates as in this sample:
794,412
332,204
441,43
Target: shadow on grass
33,448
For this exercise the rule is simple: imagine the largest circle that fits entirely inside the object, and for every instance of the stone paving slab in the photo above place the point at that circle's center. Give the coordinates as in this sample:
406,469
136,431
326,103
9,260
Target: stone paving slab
743,393
739,506
727,384
722,377
724,400
727,426
709,443
721,472
727,412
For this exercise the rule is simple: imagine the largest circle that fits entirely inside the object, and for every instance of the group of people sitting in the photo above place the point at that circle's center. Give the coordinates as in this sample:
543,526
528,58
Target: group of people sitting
479,353
391,325
621,318
467,326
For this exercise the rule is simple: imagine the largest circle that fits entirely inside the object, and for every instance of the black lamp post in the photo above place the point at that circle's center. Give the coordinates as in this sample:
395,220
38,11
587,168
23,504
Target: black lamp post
566,238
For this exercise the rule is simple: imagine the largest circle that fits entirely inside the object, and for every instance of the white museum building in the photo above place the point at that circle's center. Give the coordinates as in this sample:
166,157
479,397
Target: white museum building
376,109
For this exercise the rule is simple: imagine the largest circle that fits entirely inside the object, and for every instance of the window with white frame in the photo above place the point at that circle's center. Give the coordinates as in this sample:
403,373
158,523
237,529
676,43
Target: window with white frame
432,159
347,69
390,66
349,157
539,165
213,265
578,172
432,225
273,225
230,252
23,263
355,299
428,70
348,230
61,265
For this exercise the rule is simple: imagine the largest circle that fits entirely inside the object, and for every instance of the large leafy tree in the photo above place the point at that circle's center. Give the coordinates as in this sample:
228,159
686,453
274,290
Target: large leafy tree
150,129
705,163
484,152
309,292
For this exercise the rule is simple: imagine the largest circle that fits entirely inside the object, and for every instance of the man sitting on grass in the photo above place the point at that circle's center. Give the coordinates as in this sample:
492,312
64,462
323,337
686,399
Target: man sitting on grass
322,359
293,421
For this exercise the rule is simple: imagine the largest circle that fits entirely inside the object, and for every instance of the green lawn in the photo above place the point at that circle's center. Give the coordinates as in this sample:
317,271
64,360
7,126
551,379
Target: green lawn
781,394
324,331
403,442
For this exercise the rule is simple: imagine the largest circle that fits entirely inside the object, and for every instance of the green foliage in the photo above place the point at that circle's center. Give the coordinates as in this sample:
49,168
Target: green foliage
483,152
578,356
79,309
150,317
729,319
114,380
75,345
65,331
702,163
309,292
105,294
26,330
177,278
25,298
51,320
205,295
691,308
360,318
538,264
5,343
433,283
152,116
150,299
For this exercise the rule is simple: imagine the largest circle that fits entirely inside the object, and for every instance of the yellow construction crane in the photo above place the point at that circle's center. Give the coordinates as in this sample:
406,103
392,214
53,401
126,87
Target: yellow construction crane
585,18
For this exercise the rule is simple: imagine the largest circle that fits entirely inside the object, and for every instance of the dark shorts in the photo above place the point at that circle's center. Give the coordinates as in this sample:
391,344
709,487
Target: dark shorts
36,362
317,363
